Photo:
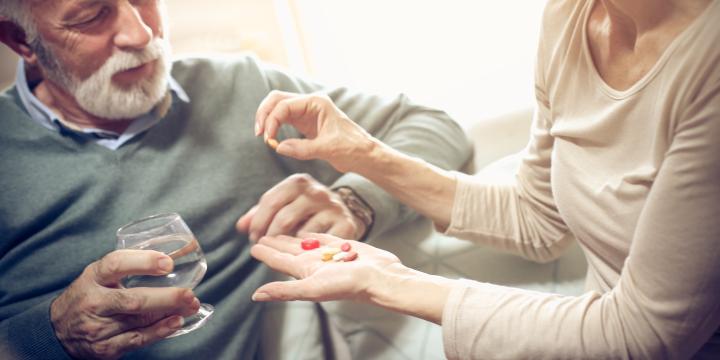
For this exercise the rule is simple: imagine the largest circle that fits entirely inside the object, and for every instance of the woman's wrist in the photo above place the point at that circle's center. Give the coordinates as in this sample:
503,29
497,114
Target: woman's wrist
399,288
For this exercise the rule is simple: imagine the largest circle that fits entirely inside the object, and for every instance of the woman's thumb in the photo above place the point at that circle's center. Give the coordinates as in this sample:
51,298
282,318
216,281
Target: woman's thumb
301,149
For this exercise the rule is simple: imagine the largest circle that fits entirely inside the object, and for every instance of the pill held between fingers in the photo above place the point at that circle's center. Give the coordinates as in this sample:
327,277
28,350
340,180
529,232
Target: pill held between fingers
345,247
310,244
273,143
339,256
351,255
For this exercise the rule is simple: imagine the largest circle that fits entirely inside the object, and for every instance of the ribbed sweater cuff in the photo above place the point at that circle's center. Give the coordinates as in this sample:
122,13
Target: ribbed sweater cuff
31,335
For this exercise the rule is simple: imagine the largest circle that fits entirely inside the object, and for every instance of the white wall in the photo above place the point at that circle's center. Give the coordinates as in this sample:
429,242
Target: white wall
473,58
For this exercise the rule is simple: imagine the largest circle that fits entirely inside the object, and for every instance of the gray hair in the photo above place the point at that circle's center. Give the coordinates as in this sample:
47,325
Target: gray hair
18,11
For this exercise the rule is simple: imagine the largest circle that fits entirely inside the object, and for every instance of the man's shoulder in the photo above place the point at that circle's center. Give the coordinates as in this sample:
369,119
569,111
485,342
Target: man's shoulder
10,103
202,73
215,65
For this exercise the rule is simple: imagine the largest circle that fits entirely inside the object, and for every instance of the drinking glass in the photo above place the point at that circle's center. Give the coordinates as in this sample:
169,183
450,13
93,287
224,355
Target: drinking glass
168,234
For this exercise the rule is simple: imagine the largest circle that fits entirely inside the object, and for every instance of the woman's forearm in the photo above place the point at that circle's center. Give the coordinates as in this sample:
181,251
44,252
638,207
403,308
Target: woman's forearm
416,183
411,292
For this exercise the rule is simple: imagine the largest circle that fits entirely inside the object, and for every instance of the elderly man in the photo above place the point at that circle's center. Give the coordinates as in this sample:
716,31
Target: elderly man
101,129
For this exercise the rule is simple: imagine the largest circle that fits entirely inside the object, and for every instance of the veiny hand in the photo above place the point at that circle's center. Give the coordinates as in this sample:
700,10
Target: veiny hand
298,205
329,134
319,280
95,318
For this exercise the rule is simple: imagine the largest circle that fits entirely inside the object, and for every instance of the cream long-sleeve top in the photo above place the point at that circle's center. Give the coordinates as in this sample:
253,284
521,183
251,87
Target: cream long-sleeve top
634,176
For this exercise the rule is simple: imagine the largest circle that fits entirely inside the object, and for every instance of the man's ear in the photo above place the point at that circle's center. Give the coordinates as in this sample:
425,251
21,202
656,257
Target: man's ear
14,37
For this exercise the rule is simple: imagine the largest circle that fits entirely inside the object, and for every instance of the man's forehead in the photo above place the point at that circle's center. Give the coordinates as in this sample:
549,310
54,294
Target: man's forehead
68,4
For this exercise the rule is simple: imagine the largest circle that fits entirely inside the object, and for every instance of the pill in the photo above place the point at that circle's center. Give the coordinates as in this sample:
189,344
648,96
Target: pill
273,143
309,244
351,255
339,256
330,250
345,247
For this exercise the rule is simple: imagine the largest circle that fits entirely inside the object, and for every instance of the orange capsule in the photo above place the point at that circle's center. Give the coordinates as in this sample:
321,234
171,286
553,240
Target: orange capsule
309,244
351,255
273,143
345,247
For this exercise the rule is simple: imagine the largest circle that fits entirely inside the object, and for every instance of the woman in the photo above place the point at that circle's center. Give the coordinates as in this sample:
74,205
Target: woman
624,156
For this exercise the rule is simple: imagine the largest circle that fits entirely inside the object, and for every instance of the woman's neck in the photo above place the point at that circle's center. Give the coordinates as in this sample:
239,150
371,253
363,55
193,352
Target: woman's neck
637,17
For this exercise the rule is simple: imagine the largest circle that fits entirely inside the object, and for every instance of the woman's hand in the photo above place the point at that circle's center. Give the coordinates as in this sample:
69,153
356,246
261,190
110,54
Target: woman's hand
329,134
320,280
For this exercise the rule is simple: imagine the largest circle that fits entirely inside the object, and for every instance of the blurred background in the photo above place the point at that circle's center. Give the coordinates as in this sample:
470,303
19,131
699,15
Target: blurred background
471,58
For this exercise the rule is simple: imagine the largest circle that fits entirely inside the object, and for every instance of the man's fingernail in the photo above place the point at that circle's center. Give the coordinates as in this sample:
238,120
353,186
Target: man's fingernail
176,322
260,297
165,264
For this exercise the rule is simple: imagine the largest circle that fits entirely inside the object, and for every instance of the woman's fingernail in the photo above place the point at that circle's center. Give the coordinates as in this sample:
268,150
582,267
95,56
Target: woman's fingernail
257,129
260,297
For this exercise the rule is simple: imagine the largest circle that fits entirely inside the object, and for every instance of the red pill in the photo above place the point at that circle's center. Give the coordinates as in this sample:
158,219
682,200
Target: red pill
351,255
345,247
309,244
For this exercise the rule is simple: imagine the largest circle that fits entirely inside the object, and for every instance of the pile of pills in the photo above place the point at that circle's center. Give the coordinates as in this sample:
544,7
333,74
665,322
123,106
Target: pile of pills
329,253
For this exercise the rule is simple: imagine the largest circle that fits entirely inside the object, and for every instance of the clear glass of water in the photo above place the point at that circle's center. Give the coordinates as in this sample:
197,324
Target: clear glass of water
168,234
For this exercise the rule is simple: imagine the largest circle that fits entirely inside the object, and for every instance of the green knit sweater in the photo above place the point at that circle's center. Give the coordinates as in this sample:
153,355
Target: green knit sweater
62,197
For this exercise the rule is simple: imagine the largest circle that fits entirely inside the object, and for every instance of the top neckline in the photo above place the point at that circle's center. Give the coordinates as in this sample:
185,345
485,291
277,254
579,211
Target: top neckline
652,73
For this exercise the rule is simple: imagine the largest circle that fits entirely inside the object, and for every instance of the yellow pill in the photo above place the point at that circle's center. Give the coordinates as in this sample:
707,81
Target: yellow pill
273,143
329,250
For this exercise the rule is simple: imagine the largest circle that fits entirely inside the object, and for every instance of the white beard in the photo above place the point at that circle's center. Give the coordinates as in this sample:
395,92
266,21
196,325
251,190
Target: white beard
99,96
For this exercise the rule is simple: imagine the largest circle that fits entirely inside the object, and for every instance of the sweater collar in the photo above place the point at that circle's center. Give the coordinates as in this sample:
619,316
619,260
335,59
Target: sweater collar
42,115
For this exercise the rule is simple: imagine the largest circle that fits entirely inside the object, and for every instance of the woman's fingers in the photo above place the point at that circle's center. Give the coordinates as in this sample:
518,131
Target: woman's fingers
266,106
302,112
301,149
283,243
283,262
289,291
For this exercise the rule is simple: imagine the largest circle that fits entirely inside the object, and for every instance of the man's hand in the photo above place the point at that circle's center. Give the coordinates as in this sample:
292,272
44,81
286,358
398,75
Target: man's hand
299,205
96,318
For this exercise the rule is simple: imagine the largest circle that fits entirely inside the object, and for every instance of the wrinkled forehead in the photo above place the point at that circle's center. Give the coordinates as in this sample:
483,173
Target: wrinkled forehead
55,8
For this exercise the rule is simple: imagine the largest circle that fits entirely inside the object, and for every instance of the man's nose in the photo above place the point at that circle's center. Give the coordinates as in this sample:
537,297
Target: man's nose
133,33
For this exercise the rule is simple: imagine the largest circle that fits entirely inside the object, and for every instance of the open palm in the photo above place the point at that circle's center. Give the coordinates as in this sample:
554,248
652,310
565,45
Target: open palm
318,280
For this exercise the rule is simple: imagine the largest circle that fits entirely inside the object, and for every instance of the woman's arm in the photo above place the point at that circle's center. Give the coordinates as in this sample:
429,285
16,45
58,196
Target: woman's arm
332,136
422,186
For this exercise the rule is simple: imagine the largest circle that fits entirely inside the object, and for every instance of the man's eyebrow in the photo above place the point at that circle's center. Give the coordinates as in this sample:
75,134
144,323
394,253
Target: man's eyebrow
80,5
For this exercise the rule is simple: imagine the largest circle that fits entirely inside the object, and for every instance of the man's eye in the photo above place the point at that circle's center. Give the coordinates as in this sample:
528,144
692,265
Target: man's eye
91,20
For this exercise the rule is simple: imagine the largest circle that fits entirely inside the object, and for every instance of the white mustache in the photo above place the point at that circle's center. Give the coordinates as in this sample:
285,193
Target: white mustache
124,60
